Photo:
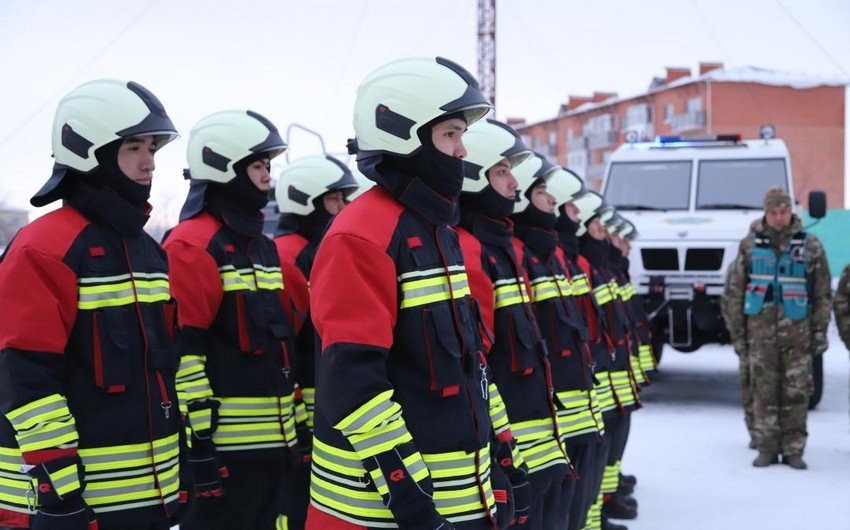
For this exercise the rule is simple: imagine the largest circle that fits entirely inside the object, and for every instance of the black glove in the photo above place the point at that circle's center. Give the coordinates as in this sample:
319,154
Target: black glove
410,502
207,471
503,495
58,495
520,491
70,514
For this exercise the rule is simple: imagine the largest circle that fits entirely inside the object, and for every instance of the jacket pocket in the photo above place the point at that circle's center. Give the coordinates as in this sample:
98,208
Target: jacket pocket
442,350
110,349
754,297
523,352
795,300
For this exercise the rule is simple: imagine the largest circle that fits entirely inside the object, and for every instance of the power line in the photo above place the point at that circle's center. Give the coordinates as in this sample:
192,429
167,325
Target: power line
63,87
812,38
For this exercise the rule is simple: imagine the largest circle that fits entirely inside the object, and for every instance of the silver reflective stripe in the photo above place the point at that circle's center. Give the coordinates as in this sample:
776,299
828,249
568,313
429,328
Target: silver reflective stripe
22,421
352,501
364,445
378,410
123,277
441,271
27,439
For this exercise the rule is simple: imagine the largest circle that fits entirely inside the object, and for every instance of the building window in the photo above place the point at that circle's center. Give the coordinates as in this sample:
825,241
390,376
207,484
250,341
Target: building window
694,105
668,111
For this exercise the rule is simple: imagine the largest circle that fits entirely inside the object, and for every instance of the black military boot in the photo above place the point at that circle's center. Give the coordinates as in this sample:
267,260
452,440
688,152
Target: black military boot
794,461
617,508
764,459
630,479
626,499
608,525
625,488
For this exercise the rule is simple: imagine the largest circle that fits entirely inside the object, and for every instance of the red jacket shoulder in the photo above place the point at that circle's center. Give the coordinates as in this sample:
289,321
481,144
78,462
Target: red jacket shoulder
197,231
372,217
289,246
52,234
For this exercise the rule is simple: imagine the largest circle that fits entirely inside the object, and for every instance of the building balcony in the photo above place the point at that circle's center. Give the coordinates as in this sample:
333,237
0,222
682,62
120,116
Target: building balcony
602,140
692,119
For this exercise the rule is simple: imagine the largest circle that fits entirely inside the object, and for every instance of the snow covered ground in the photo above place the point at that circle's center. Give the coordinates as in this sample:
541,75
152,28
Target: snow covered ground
688,448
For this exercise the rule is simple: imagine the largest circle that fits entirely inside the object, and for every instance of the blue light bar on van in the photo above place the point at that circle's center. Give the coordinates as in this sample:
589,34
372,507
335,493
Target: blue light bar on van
678,141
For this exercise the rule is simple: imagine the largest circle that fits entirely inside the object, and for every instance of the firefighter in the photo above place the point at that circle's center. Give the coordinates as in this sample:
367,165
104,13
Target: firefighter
564,328
616,392
402,427
238,353
87,351
518,355
310,192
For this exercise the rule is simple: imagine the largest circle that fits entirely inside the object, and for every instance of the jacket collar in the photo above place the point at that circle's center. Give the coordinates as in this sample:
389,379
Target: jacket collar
488,229
541,241
105,207
242,222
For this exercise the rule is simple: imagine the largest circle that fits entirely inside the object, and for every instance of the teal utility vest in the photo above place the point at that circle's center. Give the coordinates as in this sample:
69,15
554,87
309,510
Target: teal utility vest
781,279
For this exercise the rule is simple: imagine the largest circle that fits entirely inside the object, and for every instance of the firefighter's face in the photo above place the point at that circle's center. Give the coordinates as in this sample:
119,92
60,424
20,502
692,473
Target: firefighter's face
542,199
334,202
135,159
447,137
596,230
778,217
258,172
572,211
502,180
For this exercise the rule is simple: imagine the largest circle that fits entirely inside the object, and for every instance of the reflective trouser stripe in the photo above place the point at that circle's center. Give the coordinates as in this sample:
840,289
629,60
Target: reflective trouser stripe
634,364
45,423
611,478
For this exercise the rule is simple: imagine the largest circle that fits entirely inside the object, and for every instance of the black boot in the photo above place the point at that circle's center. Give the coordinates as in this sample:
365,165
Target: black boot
630,479
608,525
624,488
615,508
626,499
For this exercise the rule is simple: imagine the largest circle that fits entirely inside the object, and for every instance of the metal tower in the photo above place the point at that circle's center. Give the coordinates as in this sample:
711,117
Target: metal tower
487,48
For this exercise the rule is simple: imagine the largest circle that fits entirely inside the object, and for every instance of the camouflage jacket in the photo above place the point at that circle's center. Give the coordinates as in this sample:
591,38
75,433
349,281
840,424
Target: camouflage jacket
817,272
841,305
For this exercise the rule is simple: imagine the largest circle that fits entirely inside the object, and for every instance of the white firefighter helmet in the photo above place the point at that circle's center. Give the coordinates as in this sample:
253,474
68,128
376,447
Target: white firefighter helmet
588,205
564,185
527,173
395,100
220,140
627,230
307,179
487,143
95,114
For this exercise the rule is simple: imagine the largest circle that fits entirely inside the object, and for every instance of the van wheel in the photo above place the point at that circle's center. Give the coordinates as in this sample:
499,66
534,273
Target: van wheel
658,340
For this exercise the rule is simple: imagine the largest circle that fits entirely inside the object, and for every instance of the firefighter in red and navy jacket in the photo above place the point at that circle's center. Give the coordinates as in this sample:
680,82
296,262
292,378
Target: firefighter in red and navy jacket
517,352
402,426
594,246
238,355
310,192
87,352
562,324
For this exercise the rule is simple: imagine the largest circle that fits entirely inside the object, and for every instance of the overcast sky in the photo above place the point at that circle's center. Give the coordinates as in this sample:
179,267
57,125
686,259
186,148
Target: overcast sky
299,61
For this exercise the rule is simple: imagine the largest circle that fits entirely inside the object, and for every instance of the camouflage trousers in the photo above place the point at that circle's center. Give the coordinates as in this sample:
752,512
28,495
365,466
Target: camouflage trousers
780,379
746,393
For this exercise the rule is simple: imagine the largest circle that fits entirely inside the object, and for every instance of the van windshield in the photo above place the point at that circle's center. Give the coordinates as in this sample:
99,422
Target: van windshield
649,185
738,184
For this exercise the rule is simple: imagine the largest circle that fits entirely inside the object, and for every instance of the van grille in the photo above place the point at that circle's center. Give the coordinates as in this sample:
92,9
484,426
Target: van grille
660,259
704,259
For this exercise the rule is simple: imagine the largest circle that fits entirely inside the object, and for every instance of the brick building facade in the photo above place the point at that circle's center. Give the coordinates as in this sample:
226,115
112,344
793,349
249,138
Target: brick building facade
807,111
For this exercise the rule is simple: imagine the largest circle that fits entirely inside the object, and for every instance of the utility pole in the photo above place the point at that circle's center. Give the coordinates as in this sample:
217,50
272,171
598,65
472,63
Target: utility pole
487,48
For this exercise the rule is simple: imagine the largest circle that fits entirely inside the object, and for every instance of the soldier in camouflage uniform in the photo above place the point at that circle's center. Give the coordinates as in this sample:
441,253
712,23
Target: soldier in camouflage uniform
777,308
841,305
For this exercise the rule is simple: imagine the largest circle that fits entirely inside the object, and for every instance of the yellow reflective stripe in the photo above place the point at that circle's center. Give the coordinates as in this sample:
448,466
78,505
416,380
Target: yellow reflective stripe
542,454
13,493
510,292
611,478
281,522
233,279
52,434
634,364
98,493
580,285
437,289
622,386
191,378
347,500
455,464
255,423
498,411
530,430
119,457
94,293
454,501
381,438
414,465
46,409
11,459
370,414
65,480
337,460
200,419
271,280
603,294
563,285
519,459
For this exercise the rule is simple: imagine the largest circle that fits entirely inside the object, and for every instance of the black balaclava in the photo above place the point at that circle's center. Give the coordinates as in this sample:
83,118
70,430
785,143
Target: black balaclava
240,191
441,172
107,174
567,229
488,202
595,250
533,216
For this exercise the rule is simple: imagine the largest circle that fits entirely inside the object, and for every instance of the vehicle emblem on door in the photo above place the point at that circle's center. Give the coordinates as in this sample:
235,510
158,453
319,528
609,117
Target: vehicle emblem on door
683,233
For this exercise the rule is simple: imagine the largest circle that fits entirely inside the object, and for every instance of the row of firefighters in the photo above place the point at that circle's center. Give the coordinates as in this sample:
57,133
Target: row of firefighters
459,347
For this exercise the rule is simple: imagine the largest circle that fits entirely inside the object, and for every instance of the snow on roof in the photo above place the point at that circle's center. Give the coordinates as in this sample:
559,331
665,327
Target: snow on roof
763,76
742,74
